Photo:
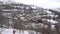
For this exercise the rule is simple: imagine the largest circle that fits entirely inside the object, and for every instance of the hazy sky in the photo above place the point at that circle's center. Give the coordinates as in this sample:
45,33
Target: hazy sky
42,3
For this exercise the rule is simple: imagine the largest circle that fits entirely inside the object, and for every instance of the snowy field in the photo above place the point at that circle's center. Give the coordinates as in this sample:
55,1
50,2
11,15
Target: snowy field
10,31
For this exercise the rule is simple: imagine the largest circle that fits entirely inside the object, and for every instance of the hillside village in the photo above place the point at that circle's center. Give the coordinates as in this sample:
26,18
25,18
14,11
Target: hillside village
29,17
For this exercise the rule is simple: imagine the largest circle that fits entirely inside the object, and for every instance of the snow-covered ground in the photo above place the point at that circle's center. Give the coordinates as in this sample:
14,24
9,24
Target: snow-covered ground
10,31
